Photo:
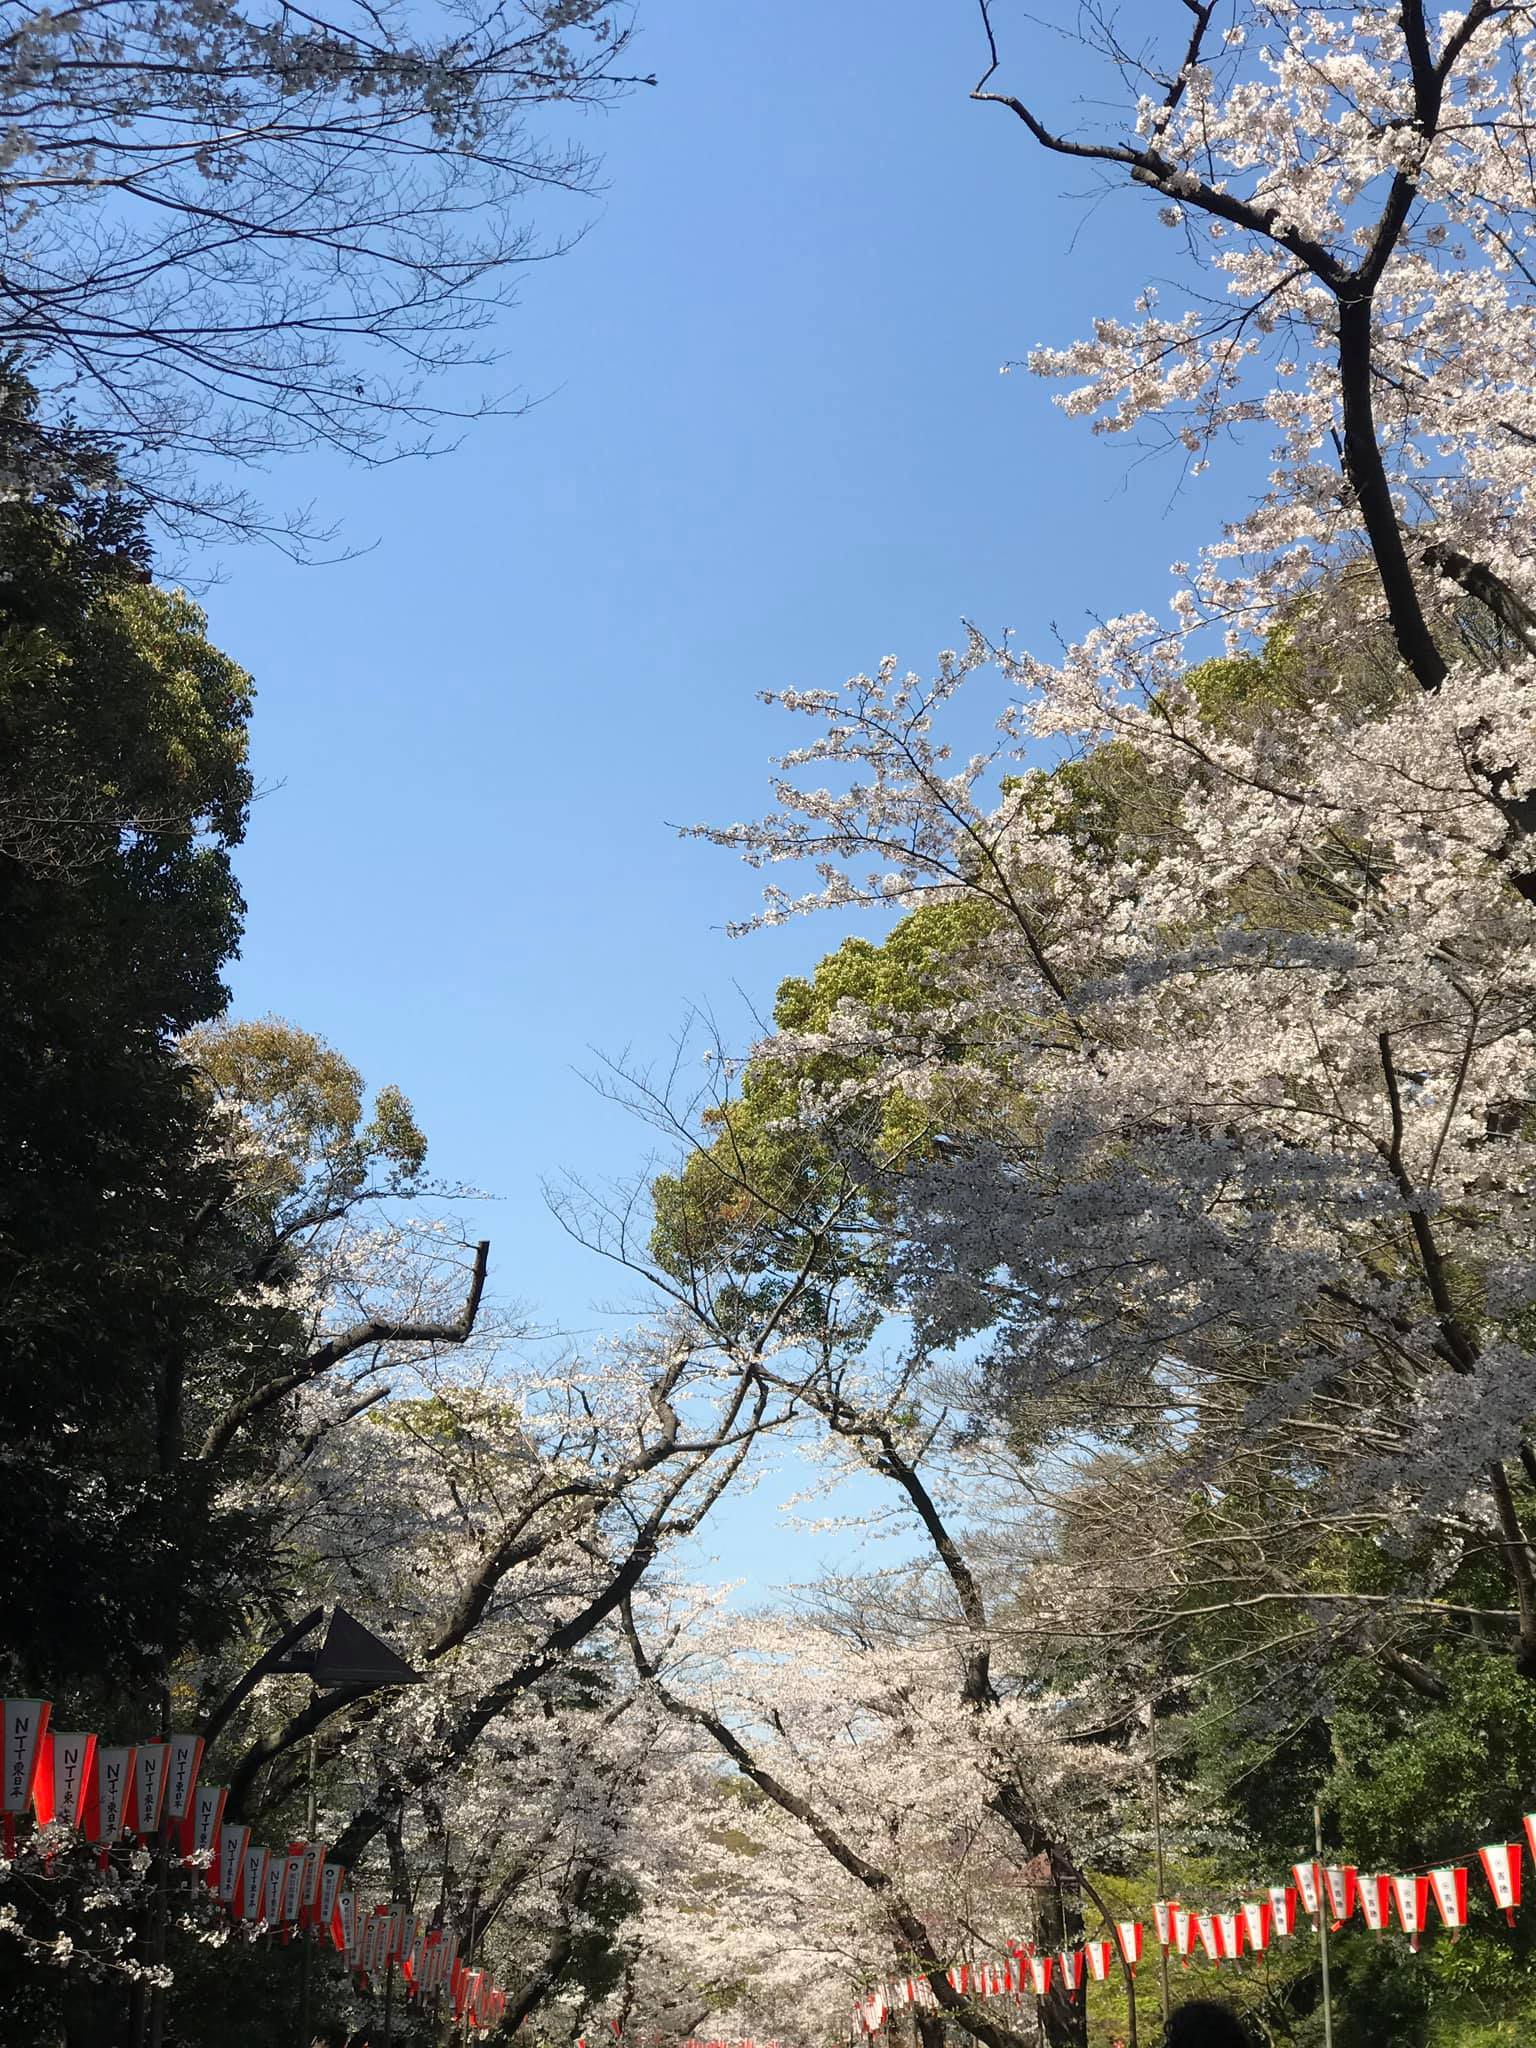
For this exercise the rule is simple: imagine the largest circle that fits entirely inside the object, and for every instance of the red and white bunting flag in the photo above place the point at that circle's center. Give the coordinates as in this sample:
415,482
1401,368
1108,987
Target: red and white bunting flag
1184,1931
1375,1893
253,1882
1040,1976
1163,1911
1501,1867
1231,1925
331,1874
1309,1885
25,1725
63,1776
1282,1910
1411,1897
1340,1880
1210,1935
356,1923
272,1891
186,1760
1128,1934
1070,1962
1530,1837
149,1762
291,1893
450,1956
1450,1889
870,2013
958,1977
397,1919
1256,1923
106,1799
416,1953
233,1843
1097,1953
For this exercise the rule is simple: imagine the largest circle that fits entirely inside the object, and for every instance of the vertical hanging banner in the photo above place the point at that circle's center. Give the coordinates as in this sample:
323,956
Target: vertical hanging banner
182,1767
201,1828
1375,1894
1183,1933
63,1775
149,1773
272,1892
331,1875
1210,1935
233,1843
1230,1926
21,1735
107,1795
1309,1884
1256,1924
1163,1911
1411,1897
1450,1889
1340,1880
1501,1867
1128,1934
1282,1910
309,1884
1070,1963
1040,1976
396,1934
253,1882
292,1893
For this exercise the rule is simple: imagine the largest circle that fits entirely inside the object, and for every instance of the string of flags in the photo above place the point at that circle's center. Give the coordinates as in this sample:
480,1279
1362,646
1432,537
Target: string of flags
1338,1890
150,1793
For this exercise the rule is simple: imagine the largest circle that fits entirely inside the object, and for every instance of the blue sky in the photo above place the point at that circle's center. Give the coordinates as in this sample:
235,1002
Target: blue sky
773,447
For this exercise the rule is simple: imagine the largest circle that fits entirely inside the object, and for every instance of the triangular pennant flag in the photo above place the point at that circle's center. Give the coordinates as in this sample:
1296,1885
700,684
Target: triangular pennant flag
1256,1924
1070,1962
1308,1883
1231,1926
1128,1934
1282,1910
1450,1890
1411,1897
1040,1975
1340,1880
1097,1953
1375,1895
1501,1867
1163,1911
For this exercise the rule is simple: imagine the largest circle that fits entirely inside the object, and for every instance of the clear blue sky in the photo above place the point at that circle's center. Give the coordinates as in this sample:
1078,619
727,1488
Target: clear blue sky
775,448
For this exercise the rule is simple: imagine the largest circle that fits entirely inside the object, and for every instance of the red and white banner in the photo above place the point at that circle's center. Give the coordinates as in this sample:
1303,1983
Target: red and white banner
1282,1910
1231,1926
1069,1961
1040,1976
1340,1880
22,1730
1309,1885
106,1799
200,1830
1501,1867
1375,1895
233,1843
331,1874
253,1883
1183,1933
186,1760
1256,1923
149,1763
1128,1934
1098,1954
1450,1889
63,1777
1163,1911
1210,1935
1411,1897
